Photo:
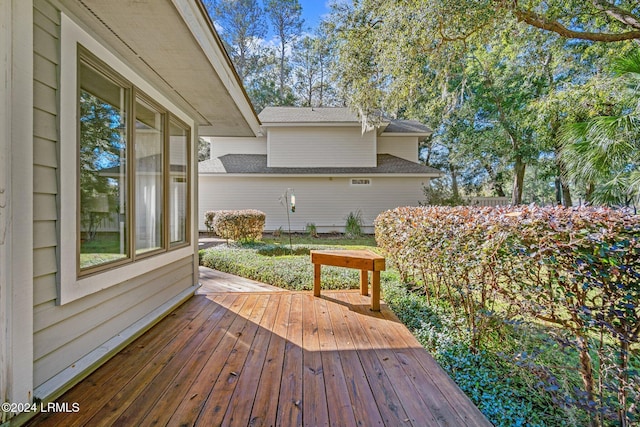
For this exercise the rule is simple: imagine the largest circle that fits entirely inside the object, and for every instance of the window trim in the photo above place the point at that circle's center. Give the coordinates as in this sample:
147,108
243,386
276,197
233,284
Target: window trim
85,55
138,94
71,286
188,169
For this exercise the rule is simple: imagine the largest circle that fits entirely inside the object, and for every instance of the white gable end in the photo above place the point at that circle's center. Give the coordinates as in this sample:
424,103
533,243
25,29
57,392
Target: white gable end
318,146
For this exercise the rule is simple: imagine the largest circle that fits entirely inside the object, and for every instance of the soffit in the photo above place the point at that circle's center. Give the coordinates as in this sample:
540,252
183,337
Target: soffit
155,40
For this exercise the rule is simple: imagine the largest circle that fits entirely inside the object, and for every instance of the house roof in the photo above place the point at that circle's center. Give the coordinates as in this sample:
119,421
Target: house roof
173,45
407,126
334,115
308,115
257,164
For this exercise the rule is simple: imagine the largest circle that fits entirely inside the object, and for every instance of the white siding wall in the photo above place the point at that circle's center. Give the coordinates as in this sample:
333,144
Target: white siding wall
326,202
405,147
321,147
64,334
222,146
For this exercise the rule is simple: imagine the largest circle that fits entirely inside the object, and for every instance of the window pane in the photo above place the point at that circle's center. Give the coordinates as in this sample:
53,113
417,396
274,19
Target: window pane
178,191
149,142
103,179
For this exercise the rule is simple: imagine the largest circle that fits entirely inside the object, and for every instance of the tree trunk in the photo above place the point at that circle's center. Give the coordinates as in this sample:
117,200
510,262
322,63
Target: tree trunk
562,176
496,180
454,183
566,194
321,102
586,371
591,187
623,380
518,181
282,53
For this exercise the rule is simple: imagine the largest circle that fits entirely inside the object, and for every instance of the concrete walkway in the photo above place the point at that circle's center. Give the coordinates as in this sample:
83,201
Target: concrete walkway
206,242
214,281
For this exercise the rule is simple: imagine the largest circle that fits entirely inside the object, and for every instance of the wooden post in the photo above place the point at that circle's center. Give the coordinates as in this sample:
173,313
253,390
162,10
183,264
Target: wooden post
375,290
316,280
364,282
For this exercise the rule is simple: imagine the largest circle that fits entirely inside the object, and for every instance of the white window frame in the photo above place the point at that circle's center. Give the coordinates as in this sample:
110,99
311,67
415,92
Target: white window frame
72,287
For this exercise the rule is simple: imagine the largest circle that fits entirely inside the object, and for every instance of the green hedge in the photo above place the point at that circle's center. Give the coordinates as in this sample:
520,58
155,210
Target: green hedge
242,225
576,269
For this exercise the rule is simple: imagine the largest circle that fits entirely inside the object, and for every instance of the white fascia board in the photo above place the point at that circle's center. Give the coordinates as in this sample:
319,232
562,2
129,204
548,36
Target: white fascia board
409,134
312,124
193,13
322,175
381,127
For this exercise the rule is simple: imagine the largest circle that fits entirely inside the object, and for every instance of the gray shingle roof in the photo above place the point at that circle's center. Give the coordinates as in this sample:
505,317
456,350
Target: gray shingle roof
332,115
307,115
257,164
406,126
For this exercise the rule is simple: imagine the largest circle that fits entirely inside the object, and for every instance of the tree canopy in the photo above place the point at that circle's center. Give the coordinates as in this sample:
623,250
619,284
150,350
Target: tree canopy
494,83
279,61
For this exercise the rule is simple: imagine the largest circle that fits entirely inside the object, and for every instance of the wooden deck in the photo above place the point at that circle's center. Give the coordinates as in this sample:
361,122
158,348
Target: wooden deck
267,359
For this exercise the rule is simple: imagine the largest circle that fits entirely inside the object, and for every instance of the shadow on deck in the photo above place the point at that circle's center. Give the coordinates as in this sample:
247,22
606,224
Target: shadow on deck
266,359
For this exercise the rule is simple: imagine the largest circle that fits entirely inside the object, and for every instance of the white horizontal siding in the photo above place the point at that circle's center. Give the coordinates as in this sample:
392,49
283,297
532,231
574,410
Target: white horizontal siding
45,157
326,202
85,325
64,334
222,146
321,147
405,147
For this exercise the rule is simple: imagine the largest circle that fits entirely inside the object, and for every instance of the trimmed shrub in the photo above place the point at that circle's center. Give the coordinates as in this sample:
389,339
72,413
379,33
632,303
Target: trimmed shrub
242,225
209,217
577,269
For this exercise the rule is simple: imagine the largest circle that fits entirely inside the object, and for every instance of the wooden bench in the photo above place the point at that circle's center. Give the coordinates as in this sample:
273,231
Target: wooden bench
363,260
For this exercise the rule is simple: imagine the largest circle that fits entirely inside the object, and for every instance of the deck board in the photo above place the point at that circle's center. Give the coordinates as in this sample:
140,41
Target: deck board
271,358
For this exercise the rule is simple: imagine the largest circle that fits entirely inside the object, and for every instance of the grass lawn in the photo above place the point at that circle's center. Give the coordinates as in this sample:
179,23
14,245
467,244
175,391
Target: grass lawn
274,262
367,240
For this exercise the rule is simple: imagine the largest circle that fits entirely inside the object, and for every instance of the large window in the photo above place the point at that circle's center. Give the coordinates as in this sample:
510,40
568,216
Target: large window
178,189
149,149
133,193
104,211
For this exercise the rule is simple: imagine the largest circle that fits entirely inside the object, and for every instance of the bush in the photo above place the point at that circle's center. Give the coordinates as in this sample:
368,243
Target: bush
500,390
312,231
242,225
209,217
578,269
353,226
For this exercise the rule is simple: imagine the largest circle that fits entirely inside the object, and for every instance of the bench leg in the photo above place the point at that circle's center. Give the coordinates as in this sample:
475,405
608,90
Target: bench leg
316,280
375,291
364,282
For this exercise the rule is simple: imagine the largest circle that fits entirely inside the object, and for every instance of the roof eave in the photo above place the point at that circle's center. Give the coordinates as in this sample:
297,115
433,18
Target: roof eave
418,134
310,124
200,24
324,175
173,46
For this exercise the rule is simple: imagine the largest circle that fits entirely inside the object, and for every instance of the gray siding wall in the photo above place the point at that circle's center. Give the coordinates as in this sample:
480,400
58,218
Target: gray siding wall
64,334
321,147
324,201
